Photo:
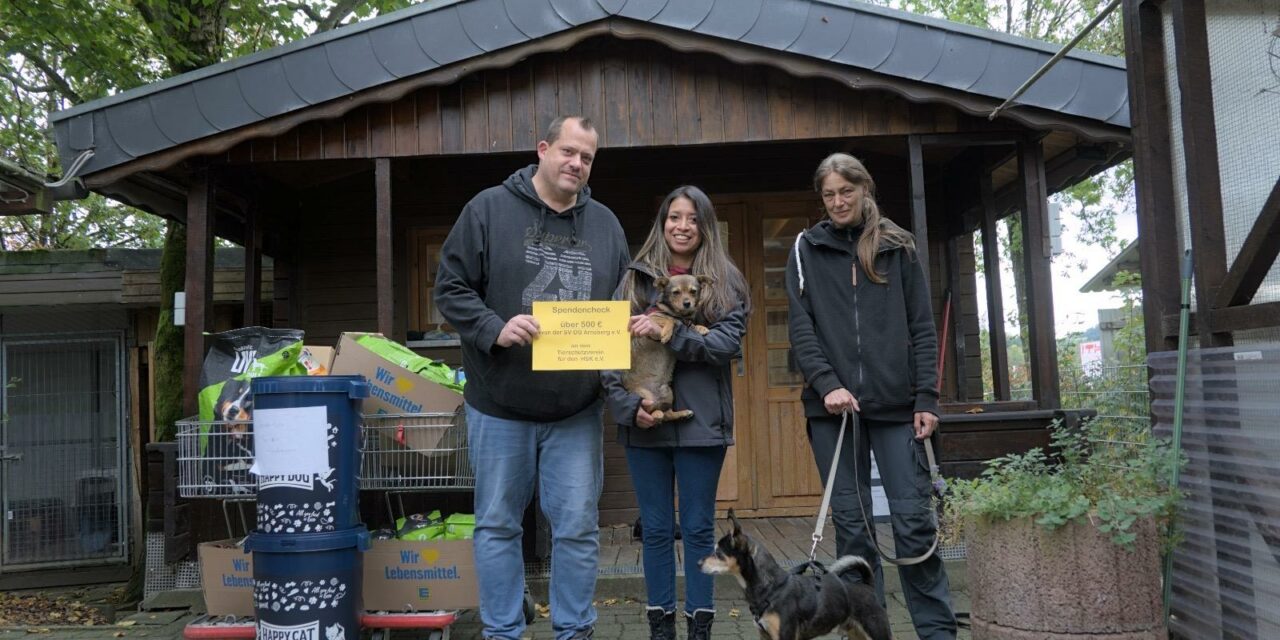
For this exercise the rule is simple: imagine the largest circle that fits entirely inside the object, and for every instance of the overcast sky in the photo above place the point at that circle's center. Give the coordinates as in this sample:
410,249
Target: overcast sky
1073,310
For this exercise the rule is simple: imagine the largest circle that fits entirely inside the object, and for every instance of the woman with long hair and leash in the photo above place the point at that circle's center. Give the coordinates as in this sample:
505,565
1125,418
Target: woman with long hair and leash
862,334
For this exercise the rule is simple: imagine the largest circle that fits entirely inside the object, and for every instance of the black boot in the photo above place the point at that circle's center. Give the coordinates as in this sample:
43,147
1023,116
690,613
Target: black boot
699,624
662,624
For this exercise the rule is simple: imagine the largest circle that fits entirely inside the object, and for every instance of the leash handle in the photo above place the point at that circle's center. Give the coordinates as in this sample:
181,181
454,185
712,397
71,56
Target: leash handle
826,493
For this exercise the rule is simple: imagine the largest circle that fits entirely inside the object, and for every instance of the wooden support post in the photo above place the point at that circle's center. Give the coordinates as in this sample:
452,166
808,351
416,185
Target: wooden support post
1152,168
919,219
995,303
199,284
382,235
957,316
1200,148
252,268
1036,252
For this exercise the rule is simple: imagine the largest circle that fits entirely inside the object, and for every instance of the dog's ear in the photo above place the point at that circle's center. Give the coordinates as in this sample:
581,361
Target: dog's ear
733,519
705,280
662,282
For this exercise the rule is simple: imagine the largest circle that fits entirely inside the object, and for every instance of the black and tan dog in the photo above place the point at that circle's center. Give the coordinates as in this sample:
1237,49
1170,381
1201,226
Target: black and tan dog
787,606
652,363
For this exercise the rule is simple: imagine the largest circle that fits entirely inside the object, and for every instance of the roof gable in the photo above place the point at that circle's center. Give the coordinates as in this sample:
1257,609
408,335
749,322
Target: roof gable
437,33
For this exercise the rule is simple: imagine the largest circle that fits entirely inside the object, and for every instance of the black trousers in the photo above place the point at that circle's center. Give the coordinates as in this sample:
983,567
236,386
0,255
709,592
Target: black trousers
904,472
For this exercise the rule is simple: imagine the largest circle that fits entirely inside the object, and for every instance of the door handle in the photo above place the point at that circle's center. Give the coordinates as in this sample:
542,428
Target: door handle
742,371
10,456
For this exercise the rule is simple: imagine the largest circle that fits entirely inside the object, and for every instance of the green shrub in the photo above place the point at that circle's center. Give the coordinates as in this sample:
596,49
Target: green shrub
1111,473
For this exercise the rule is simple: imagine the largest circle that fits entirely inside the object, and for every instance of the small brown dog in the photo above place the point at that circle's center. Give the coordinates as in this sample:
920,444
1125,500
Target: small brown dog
652,363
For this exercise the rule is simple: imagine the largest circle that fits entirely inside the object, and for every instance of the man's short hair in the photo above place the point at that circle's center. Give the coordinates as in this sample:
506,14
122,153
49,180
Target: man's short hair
553,131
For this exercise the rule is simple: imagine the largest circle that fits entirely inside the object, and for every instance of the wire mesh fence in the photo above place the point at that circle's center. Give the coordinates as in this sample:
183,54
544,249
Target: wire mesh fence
1118,393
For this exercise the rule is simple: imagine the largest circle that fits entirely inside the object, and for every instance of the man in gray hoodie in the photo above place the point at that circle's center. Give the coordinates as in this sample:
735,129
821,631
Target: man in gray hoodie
538,236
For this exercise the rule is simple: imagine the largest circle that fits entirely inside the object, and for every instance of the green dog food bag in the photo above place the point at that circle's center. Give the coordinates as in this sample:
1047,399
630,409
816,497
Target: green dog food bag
460,526
392,351
225,399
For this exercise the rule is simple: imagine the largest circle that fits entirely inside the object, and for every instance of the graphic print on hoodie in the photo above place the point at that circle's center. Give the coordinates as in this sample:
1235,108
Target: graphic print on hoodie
507,250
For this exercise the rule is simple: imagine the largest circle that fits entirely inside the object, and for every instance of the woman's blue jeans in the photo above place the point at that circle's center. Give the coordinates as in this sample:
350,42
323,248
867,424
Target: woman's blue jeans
655,472
564,461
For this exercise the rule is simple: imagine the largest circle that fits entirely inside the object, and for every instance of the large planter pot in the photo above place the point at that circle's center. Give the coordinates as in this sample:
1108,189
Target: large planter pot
1028,582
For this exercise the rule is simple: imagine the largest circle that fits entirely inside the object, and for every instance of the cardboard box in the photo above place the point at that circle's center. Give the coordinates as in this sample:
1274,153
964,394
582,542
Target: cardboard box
403,444
226,576
403,575
317,360
394,389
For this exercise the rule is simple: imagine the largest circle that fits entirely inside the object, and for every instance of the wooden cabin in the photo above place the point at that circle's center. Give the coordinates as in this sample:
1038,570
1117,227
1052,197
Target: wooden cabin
347,156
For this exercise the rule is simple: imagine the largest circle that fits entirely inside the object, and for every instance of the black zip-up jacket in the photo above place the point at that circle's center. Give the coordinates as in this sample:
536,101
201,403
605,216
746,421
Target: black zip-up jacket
876,340
702,382
508,249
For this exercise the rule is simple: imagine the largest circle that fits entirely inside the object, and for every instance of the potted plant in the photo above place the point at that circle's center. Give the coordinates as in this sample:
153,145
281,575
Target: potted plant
1068,542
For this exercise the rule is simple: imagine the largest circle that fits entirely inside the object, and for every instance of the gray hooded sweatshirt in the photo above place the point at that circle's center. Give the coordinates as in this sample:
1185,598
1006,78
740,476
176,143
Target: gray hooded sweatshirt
508,249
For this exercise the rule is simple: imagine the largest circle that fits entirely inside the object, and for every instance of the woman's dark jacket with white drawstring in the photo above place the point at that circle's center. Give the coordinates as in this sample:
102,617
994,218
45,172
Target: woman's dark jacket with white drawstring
875,340
703,381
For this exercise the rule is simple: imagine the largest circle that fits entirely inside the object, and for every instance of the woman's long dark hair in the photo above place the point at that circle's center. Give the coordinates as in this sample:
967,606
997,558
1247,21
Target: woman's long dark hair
728,287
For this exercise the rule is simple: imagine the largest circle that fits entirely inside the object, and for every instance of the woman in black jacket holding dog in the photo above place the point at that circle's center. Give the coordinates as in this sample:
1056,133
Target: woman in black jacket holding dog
862,333
685,454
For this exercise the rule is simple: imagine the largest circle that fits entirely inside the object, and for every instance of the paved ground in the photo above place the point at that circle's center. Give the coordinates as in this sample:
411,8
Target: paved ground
620,607
619,592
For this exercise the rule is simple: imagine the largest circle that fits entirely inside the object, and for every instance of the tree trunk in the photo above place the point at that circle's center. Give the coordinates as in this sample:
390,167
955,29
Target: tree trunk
169,338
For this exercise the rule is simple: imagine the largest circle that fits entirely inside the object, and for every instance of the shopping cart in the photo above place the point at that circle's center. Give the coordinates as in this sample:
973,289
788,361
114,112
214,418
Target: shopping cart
400,454
414,453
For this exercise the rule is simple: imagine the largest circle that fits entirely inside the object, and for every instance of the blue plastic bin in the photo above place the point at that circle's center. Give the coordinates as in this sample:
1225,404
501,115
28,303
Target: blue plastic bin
317,502
308,585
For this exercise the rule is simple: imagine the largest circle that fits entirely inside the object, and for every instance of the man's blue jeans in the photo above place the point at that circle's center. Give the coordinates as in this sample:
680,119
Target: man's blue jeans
656,472
564,461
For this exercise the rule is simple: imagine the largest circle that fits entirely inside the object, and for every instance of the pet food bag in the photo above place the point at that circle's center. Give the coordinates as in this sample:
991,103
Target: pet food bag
226,402
392,351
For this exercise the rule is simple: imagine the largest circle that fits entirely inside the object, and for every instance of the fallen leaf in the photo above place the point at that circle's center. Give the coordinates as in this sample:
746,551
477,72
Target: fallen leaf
609,602
126,623
733,613
118,634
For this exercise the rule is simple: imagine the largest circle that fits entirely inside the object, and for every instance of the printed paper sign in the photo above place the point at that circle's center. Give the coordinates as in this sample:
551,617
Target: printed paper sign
291,441
581,335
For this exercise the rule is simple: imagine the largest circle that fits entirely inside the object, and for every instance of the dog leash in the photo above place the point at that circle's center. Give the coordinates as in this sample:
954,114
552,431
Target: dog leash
935,478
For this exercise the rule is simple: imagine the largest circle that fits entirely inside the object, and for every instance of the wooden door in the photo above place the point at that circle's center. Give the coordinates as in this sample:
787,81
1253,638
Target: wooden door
773,468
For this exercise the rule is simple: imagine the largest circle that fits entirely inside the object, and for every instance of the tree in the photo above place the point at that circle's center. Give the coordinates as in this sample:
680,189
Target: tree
1095,202
58,54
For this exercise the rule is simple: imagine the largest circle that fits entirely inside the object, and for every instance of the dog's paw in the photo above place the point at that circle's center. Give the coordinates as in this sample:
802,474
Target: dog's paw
668,330
702,331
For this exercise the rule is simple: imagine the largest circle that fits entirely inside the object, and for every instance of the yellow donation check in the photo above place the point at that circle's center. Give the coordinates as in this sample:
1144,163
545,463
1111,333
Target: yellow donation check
582,335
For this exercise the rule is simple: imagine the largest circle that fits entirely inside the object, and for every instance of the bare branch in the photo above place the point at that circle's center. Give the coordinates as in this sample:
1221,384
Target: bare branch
22,84
51,74
340,11
306,10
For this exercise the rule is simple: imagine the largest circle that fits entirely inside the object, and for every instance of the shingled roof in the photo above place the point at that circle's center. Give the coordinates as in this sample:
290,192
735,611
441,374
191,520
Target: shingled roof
436,33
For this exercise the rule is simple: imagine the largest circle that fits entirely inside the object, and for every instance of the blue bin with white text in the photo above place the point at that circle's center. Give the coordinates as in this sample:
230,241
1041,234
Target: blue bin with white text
308,586
315,419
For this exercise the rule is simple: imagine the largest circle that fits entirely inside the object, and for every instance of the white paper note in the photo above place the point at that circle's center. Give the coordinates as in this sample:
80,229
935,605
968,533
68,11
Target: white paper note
290,441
